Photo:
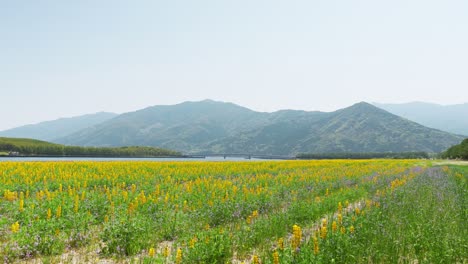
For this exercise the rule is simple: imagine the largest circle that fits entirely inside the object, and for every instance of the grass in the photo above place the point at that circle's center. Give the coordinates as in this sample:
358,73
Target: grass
379,211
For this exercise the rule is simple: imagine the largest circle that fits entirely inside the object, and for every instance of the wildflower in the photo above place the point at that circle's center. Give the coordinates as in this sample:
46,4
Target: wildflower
323,232
334,226
297,236
58,213
357,210
166,251
255,214
351,229
281,243
76,204
340,207
21,205
151,252
255,259
276,257
178,256
340,219
15,227
49,213
343,230
316,245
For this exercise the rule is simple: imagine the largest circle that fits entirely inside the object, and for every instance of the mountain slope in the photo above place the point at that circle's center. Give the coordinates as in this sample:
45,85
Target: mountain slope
59,128
450,118
216,127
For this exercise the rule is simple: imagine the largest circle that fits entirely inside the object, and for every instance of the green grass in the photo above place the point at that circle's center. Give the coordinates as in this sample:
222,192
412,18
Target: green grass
423,221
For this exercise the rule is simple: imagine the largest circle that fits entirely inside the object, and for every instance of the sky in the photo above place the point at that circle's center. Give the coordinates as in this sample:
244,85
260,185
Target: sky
67,58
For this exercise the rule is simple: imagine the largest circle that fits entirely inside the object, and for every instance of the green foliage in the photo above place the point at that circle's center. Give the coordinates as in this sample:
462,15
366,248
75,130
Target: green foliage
125,238
26,147
459,151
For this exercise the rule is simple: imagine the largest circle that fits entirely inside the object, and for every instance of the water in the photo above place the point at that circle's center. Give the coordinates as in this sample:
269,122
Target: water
221,159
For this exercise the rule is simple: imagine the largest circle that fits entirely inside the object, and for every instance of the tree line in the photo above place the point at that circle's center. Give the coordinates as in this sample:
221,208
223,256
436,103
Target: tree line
41,148
459,151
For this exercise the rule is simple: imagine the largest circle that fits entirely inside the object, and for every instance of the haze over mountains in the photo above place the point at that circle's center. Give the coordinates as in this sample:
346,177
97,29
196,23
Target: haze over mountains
51,130
450,118
217,127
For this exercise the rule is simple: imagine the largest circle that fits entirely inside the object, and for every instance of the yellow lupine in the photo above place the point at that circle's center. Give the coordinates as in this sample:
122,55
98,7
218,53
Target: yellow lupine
151,252
334,226
281,243
316,245
178,256
276,259
15,227
297,237
255,259
21,205
58,213
323,232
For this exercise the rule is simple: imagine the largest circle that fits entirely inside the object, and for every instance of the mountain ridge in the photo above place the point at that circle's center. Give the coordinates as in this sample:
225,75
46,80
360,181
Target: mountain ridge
217,127
450,118
57,128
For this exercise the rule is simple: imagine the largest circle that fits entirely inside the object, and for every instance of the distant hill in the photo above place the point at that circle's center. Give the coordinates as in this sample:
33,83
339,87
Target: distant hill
450,118
33,147
217,127
59,128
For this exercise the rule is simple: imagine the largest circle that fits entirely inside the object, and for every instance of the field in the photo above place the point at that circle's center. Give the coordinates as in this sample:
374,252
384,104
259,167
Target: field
366,211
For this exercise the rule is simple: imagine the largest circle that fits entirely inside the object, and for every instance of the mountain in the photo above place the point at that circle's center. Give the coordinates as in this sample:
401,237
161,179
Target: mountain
217,127
450,118
59,128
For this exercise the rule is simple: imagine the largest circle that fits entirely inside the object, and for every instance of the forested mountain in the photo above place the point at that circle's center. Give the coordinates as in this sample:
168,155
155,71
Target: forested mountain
217,127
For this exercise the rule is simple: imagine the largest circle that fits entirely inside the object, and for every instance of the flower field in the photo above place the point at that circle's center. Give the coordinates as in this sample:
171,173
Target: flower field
366,211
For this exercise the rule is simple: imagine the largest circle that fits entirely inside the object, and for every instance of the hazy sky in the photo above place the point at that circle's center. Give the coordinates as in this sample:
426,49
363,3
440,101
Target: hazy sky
66,58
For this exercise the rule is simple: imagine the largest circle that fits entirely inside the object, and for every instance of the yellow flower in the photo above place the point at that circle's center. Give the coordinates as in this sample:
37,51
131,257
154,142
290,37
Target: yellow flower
58,213
15,227
255,259
297,237
323,232
281,243
316,245
178,256
343,230
166,251
151,252
334,226
357,210
351,229
276,257
255,214
49,213
21,205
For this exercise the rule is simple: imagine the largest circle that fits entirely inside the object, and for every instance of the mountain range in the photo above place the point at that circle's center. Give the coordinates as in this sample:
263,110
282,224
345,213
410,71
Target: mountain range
218,127
51,130
450,118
